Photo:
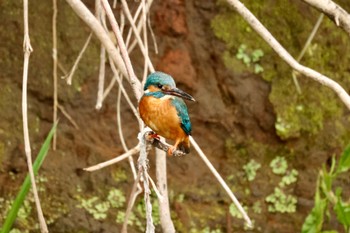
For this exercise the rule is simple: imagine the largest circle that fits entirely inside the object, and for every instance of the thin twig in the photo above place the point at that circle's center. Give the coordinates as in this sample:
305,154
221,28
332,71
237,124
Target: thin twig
76,63
152,35
137,35
311,37
101,78
121,135
135,191
99,166
126,95
221,181
135,83
66,114
61,67
308,41
154,186
282,52
145,42
109,88
54,56
27,51
85,14
100,15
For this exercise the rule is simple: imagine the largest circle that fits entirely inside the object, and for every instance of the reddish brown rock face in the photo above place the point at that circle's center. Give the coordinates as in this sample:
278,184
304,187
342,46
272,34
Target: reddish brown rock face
178,64
171,18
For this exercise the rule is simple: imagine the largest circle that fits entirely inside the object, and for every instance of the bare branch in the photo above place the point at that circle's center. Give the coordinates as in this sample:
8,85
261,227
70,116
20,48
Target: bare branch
335,12
143,166
275,45
76,63
101,78
148,136
221,181
164,209
307,43
54,71
27,51
160,196
135,191
66,114
84,13
135,83
137,35
99,166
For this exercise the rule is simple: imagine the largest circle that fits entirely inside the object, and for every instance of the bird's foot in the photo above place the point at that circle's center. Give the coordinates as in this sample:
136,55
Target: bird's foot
173,151
152,135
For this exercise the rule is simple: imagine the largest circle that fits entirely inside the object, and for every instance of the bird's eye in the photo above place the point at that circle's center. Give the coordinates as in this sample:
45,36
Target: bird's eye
160,86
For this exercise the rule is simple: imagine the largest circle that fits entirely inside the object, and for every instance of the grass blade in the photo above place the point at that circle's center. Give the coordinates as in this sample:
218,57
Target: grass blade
12,214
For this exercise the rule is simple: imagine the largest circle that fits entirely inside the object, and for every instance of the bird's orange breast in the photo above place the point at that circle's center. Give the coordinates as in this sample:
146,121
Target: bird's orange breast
161,116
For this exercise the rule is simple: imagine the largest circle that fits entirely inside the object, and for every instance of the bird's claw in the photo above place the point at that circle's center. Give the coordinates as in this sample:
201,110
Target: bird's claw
152,135
173,151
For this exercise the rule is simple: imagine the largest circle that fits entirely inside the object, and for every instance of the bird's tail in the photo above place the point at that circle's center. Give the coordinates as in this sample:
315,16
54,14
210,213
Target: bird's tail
184,146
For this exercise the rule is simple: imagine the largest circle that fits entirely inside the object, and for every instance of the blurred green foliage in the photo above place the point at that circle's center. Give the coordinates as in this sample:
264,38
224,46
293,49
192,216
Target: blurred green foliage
328,196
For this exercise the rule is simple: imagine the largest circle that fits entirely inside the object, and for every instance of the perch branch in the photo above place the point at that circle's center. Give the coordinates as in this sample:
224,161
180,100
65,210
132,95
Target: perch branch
27,51
159,144
164,208
143,166
335,12
282,52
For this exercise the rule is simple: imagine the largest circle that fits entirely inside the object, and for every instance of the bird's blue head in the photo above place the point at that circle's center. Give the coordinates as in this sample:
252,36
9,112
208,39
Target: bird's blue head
159,84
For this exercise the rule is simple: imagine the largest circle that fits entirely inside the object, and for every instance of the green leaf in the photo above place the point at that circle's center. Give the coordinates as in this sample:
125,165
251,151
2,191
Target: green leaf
313,222
258,69
344,161
12,214
257,54
342,210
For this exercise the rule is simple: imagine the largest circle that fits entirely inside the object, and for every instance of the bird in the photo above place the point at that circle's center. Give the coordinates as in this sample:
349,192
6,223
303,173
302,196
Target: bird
163,109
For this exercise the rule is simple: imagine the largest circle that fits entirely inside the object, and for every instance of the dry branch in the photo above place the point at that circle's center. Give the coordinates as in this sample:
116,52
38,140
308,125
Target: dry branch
54,71
84,13
130,152
335,12
27,51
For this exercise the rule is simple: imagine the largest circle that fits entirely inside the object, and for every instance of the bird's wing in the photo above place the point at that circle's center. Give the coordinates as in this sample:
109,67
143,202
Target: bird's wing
182,112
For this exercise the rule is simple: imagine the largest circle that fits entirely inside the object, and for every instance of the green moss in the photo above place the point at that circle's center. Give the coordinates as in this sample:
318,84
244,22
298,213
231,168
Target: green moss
250,169
281,202
295,114
279,165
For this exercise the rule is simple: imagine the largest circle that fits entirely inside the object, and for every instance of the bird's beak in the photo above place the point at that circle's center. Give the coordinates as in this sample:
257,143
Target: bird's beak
179,93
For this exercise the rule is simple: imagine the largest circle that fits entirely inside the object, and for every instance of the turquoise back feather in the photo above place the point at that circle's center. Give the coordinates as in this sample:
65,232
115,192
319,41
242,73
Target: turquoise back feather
182,112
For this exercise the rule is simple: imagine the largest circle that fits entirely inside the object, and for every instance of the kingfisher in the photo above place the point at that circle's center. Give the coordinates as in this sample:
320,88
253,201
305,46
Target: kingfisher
163,110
